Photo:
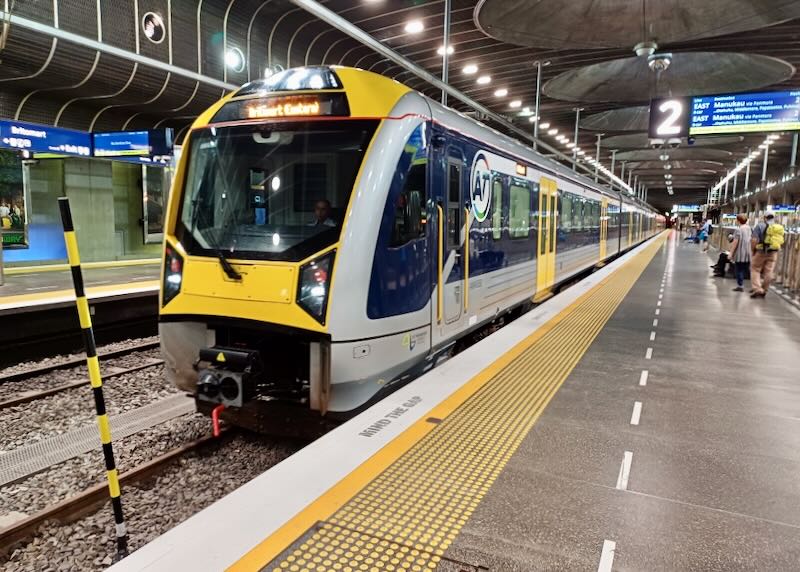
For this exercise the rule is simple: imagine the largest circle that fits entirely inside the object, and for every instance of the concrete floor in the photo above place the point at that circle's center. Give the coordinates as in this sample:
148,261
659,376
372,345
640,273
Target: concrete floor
714,474
43,282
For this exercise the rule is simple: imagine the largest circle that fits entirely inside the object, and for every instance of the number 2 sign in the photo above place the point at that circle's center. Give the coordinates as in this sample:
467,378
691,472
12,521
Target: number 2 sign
670,117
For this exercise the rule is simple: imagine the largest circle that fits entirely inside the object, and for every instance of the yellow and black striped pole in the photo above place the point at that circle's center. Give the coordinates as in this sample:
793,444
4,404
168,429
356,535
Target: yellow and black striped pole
94,374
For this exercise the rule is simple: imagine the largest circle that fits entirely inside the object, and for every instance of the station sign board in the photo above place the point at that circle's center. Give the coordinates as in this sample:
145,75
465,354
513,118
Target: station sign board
727,113
146,143
686,208
783,209
44,139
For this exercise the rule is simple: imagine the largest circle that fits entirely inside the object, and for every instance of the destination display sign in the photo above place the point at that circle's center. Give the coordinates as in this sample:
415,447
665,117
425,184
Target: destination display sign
783,209
745,113
122,144
44,139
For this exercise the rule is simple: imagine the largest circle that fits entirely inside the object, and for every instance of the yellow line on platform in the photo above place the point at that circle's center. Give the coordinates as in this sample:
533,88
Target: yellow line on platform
16,270
405,505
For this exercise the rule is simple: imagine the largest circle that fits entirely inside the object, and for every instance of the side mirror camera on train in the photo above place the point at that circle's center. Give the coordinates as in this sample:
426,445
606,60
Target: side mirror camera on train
656,143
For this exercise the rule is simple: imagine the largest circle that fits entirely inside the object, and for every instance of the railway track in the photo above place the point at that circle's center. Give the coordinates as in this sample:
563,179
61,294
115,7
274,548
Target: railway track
66,364
90,499
27,397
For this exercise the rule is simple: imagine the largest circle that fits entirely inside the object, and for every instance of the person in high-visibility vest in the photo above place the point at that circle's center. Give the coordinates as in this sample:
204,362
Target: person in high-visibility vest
767,242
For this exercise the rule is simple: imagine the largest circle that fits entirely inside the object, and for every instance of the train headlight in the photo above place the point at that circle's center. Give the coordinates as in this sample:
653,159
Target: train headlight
312,291
173,274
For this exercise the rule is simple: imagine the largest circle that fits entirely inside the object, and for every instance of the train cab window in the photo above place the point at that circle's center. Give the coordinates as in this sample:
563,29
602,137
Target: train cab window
454,206
497,209
519,209
409,208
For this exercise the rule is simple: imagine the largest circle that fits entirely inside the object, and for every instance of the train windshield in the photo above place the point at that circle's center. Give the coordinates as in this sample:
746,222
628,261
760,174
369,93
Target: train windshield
273,192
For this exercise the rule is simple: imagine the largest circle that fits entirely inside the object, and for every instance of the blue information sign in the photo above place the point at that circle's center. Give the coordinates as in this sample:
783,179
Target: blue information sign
745,112
44,139
686,208
784,209
121,143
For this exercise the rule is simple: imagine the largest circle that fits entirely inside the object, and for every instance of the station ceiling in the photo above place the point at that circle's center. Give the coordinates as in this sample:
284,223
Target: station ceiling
587,46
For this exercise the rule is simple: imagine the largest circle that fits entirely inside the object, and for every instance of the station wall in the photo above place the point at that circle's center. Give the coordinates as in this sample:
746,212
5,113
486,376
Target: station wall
106,202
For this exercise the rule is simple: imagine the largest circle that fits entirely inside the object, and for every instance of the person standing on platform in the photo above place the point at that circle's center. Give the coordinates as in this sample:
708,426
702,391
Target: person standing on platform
705,233
740,251
767,241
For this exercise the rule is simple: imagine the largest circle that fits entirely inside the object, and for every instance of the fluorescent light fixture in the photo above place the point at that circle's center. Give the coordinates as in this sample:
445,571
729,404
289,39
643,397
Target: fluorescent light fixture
414,27
516,103
450,50
484,79
502,92
571,145
551,131
545,125
470,69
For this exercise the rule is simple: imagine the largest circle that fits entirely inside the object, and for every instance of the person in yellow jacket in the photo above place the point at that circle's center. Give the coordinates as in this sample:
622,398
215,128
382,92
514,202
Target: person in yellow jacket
767,241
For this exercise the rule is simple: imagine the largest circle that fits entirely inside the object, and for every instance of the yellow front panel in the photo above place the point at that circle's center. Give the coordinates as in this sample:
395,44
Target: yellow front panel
260,282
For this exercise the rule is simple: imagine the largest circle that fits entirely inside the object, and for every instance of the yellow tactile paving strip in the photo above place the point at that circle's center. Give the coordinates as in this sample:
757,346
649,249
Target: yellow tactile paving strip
409,512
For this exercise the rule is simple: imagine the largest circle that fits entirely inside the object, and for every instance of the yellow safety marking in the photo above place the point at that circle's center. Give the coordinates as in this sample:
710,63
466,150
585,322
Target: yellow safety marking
94,371
105,429
72,248
404,506
221,357
92,292
62,267
84,316
113,483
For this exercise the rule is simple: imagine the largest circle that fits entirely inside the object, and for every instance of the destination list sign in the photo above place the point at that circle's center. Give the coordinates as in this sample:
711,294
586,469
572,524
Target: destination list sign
745,112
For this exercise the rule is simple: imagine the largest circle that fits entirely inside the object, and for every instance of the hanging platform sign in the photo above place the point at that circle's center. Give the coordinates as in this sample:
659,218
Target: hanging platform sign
122,144
745,113
44,139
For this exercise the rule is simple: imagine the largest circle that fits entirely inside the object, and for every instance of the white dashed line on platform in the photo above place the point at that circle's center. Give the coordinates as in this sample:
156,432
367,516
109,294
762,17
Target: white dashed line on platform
607,556
649,354
643,377
637,413
624,471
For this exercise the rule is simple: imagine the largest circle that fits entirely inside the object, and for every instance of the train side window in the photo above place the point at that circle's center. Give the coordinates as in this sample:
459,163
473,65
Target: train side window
577,214
520,210
497,208
409,209
454,207
566,212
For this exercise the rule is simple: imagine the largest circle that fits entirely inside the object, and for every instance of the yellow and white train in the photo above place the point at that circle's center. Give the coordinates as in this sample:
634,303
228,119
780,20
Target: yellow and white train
332,233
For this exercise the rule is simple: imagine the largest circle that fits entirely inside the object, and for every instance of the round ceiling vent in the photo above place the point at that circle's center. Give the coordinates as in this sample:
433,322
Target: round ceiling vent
153,27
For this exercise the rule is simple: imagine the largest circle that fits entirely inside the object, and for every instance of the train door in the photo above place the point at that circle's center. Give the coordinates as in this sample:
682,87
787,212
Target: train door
604,228
546,254
453,259
630,229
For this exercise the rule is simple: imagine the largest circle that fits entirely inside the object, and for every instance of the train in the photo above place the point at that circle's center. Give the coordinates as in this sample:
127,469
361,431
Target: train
332,234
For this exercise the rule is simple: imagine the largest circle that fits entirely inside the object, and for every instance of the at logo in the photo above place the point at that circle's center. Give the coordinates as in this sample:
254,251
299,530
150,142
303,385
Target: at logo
480,187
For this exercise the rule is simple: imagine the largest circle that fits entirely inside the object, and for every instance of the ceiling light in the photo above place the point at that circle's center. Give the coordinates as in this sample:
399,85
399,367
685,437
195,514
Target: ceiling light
571,145
502,92
532,119
581,152
550,132
414,27
234,59
667,166
484,79
762,146
774,136
470,69
515,103
450,50
545,125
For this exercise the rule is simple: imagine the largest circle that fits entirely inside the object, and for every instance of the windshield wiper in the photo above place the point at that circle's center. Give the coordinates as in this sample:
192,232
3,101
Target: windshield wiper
227,266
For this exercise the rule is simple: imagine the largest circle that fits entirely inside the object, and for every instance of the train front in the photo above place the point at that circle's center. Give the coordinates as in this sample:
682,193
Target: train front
258,208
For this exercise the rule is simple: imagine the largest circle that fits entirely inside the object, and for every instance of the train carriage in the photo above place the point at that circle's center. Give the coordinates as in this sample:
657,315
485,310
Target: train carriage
331,233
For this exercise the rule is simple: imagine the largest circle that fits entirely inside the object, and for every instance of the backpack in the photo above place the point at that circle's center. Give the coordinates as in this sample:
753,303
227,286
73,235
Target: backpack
710,230
773,236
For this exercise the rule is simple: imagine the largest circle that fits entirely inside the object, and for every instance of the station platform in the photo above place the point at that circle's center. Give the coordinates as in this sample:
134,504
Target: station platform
644,419
33,286
123,300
